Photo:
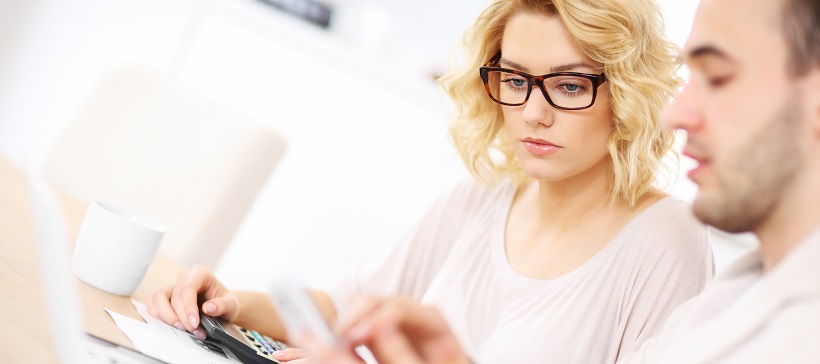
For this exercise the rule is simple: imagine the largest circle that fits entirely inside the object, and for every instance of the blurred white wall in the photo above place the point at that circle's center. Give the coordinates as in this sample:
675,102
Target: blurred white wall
366,126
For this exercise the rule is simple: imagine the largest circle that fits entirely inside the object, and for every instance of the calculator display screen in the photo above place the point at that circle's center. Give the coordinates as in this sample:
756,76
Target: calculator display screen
232,330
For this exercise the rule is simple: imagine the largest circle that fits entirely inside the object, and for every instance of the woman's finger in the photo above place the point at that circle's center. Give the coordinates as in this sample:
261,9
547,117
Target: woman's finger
289,354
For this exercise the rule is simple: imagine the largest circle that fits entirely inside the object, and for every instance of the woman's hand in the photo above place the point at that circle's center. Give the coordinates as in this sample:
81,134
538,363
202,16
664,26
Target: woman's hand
178,304
292,356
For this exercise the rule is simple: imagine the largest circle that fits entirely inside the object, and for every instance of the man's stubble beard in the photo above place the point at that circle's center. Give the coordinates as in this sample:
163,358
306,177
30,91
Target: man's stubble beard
757,176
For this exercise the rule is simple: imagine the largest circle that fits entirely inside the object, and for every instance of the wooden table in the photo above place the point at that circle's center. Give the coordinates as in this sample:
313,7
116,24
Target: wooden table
25,336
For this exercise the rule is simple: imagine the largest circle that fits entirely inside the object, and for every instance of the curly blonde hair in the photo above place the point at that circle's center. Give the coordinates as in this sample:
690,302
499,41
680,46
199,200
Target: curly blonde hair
626,36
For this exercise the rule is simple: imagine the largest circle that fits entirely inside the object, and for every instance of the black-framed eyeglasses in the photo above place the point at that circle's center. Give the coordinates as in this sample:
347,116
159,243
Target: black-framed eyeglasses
563,90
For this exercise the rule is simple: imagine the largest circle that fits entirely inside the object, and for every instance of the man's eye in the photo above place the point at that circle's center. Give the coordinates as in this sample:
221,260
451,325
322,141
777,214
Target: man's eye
718,81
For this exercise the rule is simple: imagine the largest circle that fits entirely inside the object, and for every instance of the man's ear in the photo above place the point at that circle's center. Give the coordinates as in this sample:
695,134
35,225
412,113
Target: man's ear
812,99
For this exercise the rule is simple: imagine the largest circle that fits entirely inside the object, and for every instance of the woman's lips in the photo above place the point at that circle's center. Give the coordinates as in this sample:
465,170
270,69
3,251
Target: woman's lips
539,146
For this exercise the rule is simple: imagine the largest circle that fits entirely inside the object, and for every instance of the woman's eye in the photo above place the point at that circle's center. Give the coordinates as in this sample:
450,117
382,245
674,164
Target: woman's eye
515,82
571,87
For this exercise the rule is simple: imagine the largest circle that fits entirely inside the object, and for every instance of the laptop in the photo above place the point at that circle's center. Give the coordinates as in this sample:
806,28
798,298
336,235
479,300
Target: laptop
72,343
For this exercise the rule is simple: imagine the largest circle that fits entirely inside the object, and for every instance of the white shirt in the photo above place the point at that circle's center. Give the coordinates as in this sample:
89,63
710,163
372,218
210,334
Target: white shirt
455,259
778,321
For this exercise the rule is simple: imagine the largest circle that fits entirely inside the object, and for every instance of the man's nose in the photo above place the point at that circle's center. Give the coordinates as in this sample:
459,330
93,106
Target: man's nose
683,112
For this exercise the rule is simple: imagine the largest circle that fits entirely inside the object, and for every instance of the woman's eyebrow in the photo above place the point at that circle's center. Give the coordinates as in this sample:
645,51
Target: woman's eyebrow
561,68
513,65
572,66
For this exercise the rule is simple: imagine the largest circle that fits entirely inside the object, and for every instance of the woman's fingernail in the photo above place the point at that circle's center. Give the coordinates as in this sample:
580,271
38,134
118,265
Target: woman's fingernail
178,325
280,354
193,320
199,334
209,308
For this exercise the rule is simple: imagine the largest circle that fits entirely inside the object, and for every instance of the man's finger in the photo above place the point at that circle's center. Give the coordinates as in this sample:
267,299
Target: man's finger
390,346
359,308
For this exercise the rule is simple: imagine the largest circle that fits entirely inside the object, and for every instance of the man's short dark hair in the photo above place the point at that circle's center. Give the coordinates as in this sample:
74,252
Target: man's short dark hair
801,30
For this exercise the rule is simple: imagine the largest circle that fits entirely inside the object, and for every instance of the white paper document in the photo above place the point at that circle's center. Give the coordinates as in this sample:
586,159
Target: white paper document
164,342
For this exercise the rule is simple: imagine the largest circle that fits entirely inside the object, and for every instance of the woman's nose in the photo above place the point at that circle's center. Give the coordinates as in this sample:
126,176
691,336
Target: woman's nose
538,110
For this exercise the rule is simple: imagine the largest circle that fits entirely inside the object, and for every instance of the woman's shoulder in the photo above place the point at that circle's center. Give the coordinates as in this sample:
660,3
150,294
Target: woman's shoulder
669,221
472,194
665,208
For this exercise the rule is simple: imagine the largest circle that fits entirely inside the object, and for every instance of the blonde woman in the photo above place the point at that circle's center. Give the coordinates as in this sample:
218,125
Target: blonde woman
562,249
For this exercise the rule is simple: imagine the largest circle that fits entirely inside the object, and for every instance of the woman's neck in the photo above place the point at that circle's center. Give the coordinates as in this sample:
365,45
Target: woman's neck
567,203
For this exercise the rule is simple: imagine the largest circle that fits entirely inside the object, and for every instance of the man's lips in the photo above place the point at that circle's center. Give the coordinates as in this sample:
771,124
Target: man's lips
702,164
691,153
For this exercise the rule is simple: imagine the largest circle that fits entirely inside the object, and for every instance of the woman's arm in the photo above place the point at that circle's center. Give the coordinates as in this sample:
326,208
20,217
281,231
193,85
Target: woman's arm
178,305
259,312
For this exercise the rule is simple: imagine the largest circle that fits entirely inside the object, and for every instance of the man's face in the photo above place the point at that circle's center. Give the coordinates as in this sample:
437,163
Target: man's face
742,112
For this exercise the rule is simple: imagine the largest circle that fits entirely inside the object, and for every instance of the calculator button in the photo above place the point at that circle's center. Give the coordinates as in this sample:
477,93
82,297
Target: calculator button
278,345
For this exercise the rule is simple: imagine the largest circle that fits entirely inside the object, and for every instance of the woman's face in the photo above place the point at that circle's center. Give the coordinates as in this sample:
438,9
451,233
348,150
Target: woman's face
553,144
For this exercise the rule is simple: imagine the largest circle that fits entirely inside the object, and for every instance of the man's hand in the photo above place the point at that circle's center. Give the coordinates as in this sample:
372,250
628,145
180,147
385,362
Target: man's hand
395,331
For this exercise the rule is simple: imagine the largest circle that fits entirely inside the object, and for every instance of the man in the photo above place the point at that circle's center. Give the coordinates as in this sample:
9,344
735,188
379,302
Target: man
752,113
751,110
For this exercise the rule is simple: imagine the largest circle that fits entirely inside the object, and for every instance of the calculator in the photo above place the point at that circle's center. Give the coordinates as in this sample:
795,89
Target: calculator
249,346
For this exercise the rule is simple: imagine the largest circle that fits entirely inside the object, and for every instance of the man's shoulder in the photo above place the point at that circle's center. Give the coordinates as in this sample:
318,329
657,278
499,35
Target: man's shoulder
791,335
800,315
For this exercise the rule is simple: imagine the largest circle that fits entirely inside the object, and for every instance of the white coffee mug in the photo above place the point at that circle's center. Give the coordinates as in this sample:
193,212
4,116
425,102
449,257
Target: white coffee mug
114,248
